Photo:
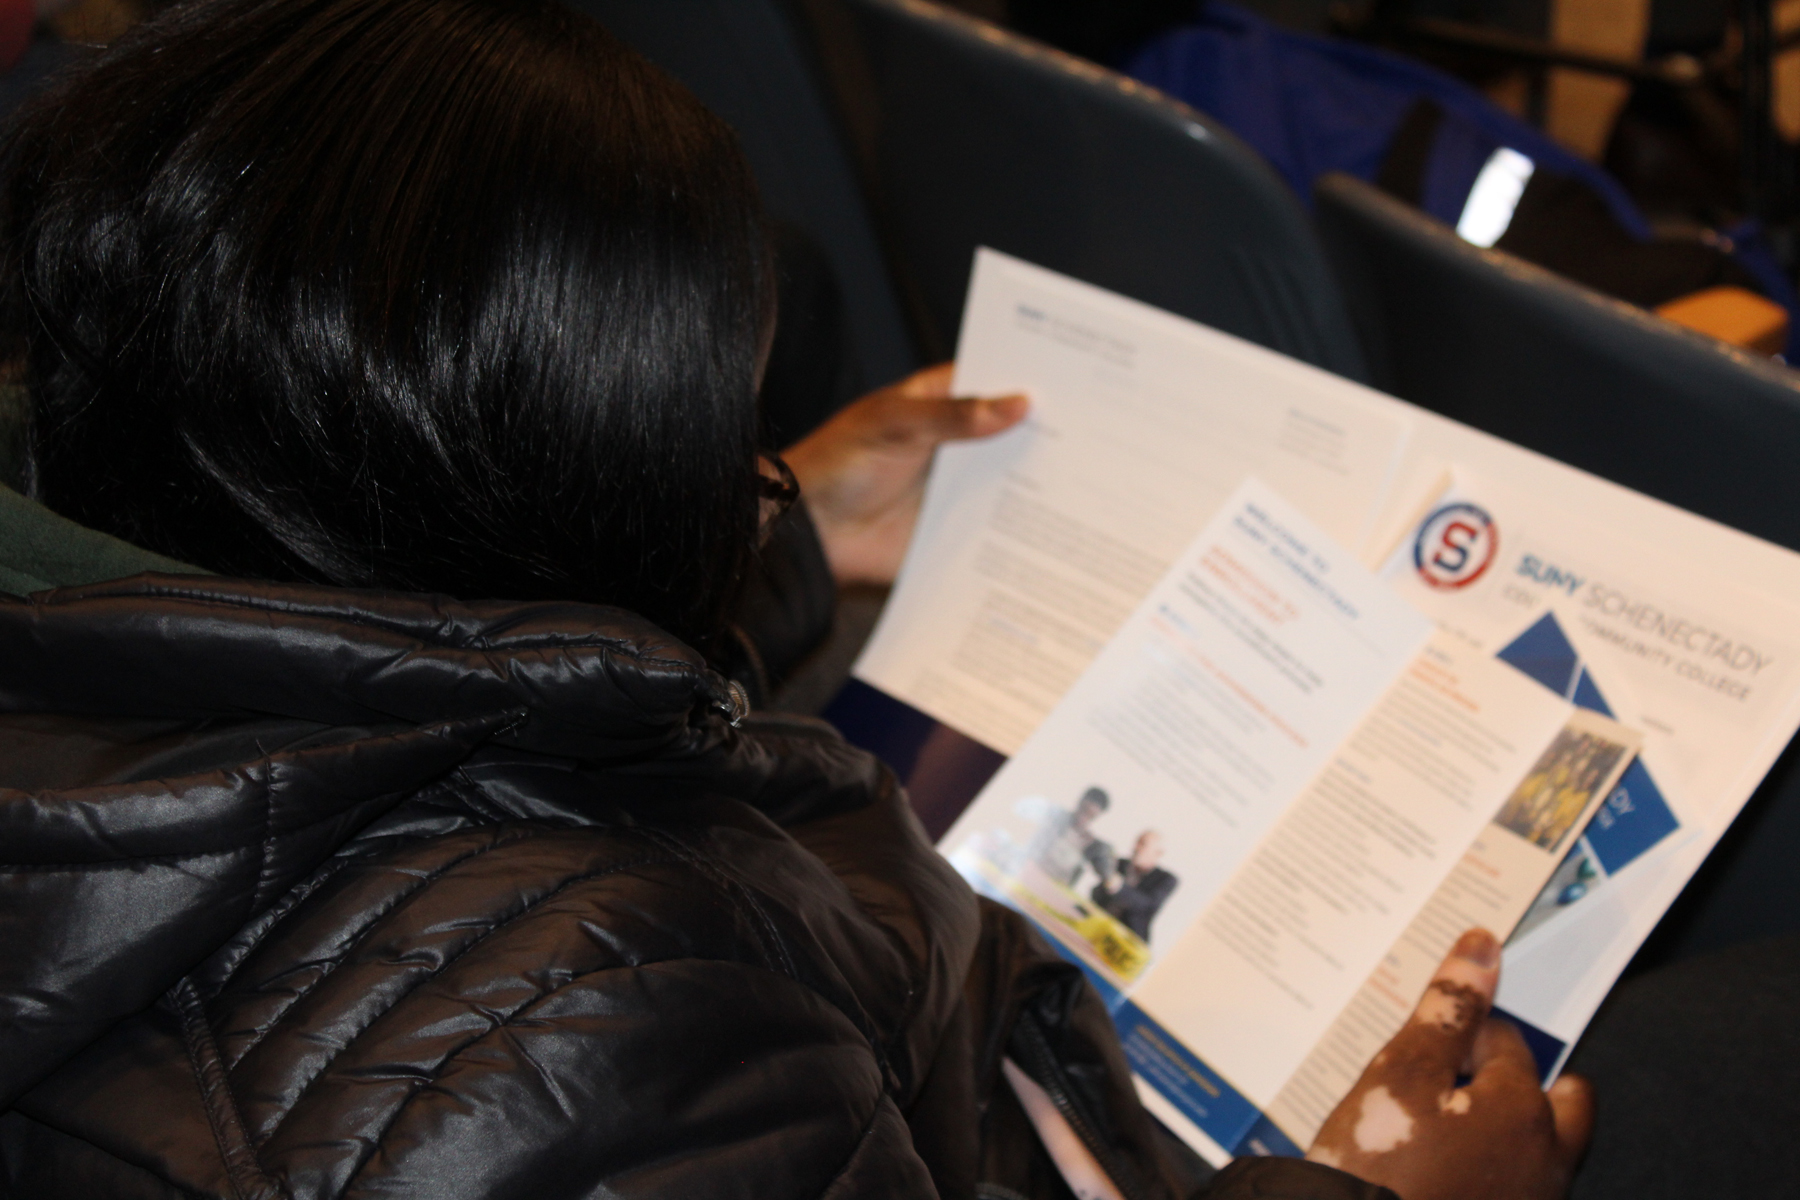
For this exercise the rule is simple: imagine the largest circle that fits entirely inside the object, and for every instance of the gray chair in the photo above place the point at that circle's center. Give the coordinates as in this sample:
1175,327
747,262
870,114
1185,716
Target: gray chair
900,135
1511,349
979,137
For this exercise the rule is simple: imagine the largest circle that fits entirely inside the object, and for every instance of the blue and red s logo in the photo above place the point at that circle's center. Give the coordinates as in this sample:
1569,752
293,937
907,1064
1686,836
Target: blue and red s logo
1455,545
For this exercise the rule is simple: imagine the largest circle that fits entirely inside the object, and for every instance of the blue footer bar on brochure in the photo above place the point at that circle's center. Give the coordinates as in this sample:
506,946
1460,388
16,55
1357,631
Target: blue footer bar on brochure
1200,1094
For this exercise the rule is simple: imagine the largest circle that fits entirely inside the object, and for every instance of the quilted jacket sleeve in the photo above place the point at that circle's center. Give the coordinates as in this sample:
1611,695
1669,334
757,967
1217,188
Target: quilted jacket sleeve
772,1094
515,1010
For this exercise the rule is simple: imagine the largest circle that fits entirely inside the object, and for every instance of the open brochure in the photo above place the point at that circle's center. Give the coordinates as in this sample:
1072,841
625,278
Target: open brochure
1270,685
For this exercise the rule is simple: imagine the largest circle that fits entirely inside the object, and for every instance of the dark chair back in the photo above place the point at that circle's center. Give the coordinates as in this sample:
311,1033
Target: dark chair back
1511,349
979,137
1494,342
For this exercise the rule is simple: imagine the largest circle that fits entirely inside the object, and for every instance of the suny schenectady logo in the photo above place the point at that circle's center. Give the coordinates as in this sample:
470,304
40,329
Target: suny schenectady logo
1455,545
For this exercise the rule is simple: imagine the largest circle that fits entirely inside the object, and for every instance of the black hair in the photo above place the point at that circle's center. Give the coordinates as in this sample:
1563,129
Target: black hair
1096,797
440,295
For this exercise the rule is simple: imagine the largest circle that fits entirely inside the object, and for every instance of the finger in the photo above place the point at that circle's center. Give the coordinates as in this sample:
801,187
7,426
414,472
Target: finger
992,415
950,420
1440,1035
1472,964
931,383
1572,1108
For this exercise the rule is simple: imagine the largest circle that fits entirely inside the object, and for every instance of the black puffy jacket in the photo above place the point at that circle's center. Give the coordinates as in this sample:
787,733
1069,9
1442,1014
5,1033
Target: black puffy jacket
314,893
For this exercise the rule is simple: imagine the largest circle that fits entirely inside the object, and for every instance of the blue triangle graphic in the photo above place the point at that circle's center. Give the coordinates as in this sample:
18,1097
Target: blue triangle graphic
1588,696
1544,653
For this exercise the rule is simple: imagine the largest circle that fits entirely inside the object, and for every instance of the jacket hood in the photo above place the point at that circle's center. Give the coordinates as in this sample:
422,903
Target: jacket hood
177,752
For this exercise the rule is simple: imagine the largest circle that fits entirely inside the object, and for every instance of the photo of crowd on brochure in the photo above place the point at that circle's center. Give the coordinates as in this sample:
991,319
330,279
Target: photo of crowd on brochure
1558,788
1099,897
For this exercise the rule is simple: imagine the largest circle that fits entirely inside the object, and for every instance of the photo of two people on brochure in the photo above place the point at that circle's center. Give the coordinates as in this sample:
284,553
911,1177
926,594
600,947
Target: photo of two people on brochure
1072,878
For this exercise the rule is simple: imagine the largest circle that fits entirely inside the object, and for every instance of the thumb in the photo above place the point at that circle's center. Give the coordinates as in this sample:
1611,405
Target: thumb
1451,1013
950,420
927,383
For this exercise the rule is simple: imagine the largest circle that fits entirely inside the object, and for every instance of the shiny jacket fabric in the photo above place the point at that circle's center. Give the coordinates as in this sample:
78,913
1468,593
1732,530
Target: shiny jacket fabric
314,893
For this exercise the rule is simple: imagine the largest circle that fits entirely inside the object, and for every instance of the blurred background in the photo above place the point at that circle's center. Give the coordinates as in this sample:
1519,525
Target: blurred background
1690,108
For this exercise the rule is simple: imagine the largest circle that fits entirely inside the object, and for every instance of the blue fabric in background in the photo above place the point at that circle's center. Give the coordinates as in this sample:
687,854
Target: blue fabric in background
1310,105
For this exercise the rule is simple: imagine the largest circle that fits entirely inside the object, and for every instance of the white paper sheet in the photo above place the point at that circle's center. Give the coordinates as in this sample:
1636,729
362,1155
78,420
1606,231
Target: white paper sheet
1034,546
1032,549
1224,693
1684,627
1698,660
1266,971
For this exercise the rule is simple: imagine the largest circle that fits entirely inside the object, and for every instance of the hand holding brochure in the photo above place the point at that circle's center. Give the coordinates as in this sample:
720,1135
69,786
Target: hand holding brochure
1250,794
1299,681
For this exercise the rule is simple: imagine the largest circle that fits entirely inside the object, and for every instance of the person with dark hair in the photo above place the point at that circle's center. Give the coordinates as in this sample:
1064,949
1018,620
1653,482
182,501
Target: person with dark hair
426,847
347,377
